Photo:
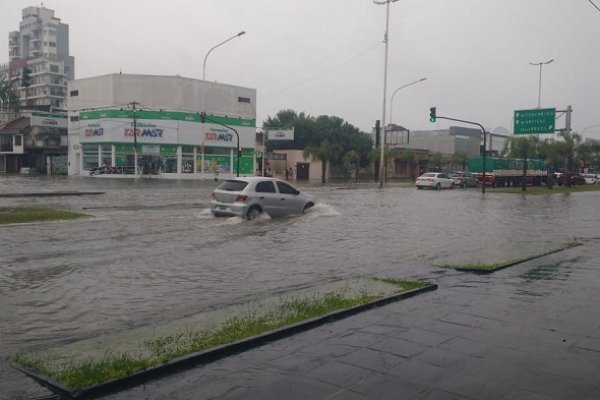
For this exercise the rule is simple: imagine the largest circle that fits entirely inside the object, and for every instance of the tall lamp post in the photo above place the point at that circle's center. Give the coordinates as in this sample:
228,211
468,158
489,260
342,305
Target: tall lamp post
540,84
397,90
214,47
385,64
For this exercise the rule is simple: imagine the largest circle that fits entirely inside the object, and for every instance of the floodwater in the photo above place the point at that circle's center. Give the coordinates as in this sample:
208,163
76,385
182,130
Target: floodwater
151,251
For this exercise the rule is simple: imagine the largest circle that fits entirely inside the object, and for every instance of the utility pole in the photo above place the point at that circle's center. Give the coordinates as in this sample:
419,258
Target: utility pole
568,119
540,64
382,166
133,104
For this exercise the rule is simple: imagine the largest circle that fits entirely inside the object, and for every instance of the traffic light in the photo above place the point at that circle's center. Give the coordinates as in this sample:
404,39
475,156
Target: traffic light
203,117
26,77
432,115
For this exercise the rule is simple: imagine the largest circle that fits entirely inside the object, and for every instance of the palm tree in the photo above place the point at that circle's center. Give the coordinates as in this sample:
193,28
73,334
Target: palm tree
552,152
522,147
584,155
572,140
353,158
595,147
326,153
461,158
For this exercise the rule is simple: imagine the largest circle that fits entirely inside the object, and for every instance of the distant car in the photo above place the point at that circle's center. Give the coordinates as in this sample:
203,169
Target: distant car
435,180
464,179
251,196
591,178
576,179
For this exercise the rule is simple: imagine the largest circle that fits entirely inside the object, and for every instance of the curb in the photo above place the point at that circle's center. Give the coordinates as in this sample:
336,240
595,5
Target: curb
513,263
49,194
210,355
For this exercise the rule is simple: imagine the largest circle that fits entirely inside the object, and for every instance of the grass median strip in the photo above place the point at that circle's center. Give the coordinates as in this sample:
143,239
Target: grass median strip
15,215
91,362
543,190
492,265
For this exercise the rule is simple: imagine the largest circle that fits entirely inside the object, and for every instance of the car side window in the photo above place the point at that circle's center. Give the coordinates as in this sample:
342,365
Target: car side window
265,187
284,188
443,176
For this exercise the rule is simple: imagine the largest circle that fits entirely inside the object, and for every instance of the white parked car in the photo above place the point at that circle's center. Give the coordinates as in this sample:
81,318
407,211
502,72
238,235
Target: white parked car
435,180
591,178
251,196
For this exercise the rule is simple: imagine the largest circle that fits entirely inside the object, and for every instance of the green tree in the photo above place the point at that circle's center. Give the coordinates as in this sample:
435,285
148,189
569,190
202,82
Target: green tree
524,147
325,152
9,99
583,155
552,152
461,158
572,140
310,132
595,147
437,160
353,159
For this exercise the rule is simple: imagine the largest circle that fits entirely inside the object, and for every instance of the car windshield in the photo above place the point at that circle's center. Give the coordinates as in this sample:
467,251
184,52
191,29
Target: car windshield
232,186
429,174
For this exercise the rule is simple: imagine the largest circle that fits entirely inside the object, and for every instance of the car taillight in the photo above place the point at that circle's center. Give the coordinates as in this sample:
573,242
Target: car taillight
241,197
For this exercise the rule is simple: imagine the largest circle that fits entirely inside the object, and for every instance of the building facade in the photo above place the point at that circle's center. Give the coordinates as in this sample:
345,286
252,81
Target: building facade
416,152
34,140
123,124
39,52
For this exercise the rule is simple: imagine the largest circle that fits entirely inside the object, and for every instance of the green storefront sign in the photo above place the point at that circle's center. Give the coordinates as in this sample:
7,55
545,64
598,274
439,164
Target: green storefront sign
540,120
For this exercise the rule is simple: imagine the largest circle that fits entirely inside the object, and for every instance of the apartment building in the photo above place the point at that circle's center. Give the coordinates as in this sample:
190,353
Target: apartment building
39,61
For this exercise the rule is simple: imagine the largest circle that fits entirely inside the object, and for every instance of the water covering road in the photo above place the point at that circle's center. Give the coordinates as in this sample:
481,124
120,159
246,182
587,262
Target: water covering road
152,252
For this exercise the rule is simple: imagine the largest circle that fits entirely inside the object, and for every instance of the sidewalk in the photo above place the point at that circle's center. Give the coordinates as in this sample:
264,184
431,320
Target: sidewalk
527,332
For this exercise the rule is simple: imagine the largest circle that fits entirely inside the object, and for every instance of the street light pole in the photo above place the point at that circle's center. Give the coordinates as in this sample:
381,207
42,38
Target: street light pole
385,40
540,84
214,47
397,90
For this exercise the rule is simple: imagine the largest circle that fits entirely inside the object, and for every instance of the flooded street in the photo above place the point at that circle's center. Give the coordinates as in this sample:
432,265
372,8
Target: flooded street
151,251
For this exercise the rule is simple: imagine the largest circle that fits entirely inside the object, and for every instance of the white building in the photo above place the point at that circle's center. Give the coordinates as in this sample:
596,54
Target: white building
117,119
41,48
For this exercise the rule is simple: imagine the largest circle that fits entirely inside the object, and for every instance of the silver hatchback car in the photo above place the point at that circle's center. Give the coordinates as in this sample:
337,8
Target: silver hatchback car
251,196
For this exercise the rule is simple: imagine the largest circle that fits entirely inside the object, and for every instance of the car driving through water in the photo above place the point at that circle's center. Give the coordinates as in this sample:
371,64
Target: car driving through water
249,197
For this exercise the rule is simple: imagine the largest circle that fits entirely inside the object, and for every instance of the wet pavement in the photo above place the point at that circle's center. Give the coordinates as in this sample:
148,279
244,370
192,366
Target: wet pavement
529,332
152,253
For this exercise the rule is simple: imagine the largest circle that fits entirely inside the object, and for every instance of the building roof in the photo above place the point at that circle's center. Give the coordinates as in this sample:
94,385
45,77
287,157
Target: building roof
15,126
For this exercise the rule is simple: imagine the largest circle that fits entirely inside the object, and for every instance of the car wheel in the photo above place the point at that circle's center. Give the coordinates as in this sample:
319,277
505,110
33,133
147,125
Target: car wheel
253,212
419,187
438,186
464,185
452,185
306,207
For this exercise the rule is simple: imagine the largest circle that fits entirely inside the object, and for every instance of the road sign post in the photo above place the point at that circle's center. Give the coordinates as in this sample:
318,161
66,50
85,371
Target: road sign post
537,121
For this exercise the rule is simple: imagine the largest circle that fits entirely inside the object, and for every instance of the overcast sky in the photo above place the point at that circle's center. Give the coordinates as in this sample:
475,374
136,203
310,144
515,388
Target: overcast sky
326,56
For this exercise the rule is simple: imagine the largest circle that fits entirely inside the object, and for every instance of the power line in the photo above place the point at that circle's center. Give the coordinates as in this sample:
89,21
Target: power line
592,3
317,75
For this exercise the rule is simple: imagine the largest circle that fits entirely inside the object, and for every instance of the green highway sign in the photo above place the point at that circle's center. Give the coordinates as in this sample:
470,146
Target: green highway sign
539,120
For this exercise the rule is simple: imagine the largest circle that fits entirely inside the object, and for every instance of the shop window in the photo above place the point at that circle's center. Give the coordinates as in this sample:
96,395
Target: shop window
187,159
106,154
90,156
